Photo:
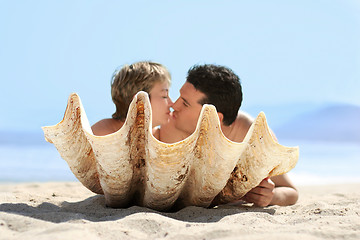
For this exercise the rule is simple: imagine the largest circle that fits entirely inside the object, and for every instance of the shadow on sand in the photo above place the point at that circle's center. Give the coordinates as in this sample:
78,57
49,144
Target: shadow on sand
94,209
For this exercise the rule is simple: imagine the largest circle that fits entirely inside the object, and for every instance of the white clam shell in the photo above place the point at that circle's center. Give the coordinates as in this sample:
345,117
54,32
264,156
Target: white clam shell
130,166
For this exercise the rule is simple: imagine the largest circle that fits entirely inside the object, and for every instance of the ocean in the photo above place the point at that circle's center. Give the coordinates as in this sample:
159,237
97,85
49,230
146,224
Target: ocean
326,162
319,163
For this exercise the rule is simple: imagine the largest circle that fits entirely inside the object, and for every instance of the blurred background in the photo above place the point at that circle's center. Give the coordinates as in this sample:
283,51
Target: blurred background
299,62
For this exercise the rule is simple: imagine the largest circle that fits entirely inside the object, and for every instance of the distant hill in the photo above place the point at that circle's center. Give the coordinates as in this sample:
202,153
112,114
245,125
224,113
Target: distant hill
338,122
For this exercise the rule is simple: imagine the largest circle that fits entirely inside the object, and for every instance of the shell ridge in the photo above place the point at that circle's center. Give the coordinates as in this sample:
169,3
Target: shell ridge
69,138
210,168
121,156
167,170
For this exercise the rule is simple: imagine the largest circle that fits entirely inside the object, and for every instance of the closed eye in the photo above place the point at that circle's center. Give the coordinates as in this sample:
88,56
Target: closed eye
185,103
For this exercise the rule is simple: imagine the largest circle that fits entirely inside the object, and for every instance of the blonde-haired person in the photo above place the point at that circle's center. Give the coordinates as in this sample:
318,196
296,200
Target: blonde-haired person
150,77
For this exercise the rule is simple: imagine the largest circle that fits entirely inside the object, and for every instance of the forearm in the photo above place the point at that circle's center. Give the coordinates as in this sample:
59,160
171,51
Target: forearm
284,196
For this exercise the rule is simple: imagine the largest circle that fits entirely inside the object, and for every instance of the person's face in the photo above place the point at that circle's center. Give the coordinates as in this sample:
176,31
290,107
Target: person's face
160,103
187,108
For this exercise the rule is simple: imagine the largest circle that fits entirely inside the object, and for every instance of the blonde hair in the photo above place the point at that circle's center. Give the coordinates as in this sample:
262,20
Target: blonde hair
130,79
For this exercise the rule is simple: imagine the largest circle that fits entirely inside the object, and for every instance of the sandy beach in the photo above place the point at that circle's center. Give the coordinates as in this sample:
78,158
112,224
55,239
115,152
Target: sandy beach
67,210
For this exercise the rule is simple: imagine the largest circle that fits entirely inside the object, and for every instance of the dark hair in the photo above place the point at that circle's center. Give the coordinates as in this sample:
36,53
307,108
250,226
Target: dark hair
221,86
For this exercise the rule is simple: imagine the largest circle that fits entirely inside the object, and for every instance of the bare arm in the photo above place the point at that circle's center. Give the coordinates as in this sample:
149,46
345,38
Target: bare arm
266,193
275,191
285,192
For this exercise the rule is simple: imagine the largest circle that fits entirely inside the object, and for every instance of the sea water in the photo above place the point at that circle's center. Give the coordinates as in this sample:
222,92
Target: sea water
326,162
32,163
319,163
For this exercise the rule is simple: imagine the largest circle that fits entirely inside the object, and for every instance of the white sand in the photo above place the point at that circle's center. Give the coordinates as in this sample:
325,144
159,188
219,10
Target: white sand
70,211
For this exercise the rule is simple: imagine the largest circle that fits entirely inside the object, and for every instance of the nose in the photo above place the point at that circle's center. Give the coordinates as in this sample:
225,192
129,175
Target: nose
170,103
175,105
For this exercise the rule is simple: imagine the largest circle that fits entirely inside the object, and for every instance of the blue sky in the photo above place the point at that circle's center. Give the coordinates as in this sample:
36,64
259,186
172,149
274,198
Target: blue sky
285,52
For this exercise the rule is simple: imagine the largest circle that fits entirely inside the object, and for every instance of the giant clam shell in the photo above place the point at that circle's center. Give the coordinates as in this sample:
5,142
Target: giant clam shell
130,166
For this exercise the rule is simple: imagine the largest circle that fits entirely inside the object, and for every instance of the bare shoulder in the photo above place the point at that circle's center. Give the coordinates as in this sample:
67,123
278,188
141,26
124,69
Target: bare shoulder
106,126
240,127
244,119
156,132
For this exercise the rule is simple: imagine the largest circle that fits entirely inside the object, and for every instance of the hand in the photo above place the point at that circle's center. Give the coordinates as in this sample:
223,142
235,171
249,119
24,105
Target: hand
262,194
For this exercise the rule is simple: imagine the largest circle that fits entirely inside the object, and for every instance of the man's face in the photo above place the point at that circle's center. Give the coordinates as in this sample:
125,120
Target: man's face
187,108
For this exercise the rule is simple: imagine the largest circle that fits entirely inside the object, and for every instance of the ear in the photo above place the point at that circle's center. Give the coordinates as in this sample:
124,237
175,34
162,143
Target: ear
221,117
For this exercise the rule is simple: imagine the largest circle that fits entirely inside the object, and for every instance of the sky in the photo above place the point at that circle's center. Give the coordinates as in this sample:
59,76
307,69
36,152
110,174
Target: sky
286,53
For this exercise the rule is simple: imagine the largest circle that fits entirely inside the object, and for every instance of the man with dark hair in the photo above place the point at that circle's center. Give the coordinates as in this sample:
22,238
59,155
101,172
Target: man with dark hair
220,86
